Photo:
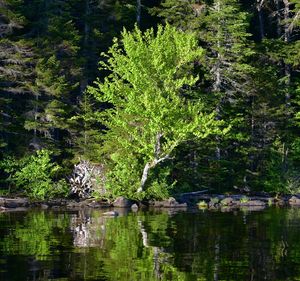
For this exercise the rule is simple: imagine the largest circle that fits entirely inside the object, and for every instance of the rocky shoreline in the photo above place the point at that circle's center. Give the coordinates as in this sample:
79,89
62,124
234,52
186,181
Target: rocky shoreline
202,201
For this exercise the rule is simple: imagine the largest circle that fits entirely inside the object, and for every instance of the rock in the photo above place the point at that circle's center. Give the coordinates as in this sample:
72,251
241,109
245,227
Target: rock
73,204
169,203
122,202
134,207
294,200
94,204
252,208
253,203
111,214
212,205
44,206
227,201
226,209
14,202
13,210
58,202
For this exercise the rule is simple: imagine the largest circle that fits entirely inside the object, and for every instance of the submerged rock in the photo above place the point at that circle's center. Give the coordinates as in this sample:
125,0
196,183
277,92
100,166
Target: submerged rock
252,208
111,214
252,203
134,207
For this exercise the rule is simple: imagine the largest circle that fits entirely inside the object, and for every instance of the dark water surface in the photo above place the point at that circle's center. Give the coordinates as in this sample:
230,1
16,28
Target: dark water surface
85,245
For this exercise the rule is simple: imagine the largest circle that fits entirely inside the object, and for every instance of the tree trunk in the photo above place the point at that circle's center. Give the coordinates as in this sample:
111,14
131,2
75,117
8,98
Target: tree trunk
149,165
156,250
144,177
217,87
84,81
217,259
259,4
278,18
287,74
138,12
286,14
287,68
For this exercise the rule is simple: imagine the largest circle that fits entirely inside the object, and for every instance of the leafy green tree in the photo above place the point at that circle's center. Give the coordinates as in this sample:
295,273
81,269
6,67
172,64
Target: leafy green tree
149,116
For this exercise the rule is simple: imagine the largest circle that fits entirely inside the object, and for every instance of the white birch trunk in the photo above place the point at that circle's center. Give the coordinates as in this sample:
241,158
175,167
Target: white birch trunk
149,165
144,177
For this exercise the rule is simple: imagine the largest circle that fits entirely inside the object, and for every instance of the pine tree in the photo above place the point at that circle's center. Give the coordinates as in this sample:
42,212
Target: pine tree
222,28
16,74
55,41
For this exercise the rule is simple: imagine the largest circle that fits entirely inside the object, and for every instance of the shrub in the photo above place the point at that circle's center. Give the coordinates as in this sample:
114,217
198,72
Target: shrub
244,199
35,175
202,205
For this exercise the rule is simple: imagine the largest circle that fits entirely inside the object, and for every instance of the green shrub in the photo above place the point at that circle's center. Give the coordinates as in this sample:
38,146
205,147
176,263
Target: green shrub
214,200
202,204
35,175
244,199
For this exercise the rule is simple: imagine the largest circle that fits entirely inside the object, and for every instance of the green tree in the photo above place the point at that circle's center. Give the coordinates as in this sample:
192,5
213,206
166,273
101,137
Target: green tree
15,75
36,175
149,115
222,28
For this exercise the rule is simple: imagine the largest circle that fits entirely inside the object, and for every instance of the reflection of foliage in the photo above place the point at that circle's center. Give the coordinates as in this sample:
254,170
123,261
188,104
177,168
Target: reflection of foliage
157,246
126,255
36,236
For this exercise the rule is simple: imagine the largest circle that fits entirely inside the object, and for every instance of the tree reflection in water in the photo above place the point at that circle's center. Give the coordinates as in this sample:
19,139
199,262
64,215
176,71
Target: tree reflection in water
85,245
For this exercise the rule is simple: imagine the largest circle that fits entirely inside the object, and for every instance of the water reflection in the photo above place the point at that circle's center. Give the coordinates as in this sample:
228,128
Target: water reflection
85,245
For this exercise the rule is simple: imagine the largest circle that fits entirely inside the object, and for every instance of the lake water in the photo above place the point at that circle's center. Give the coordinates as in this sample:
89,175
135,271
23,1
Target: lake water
195,245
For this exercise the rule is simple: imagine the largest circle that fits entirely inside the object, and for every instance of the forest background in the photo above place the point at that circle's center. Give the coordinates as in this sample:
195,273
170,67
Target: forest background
247,76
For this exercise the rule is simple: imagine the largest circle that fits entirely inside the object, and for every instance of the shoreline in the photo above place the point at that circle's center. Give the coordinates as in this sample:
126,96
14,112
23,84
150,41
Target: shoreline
211,202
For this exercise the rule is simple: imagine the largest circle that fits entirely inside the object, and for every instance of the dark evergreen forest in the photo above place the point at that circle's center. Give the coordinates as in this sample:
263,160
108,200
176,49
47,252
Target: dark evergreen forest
246,83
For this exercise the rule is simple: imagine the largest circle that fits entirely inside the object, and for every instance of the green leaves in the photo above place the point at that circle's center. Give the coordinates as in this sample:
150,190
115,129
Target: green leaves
35,174
150,72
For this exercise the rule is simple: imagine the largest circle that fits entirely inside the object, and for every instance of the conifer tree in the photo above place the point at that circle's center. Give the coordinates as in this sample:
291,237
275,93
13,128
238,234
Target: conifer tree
222,27
16,74
55,40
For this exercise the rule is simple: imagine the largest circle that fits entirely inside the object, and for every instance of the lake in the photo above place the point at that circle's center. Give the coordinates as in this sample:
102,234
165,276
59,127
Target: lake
152,245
